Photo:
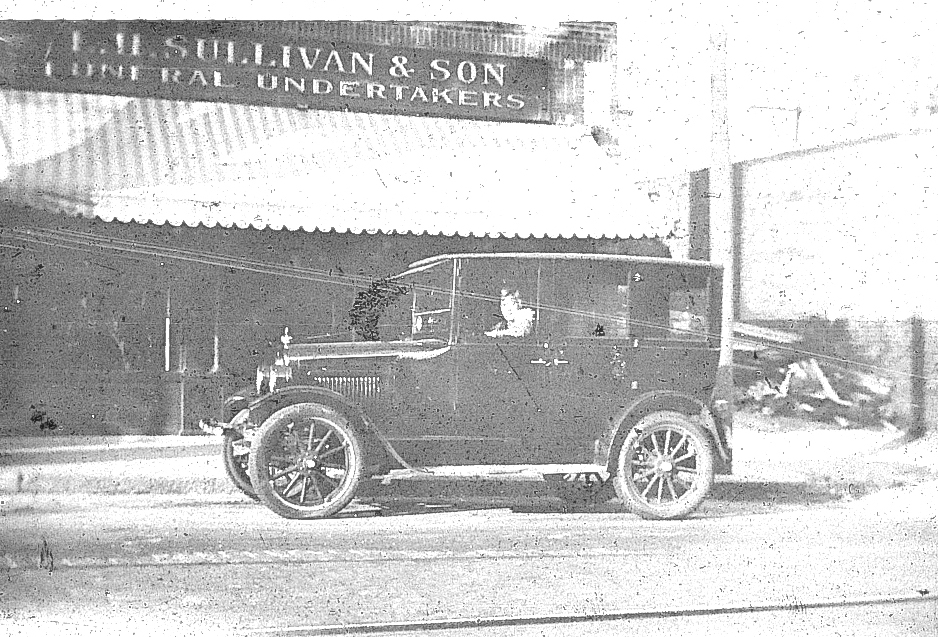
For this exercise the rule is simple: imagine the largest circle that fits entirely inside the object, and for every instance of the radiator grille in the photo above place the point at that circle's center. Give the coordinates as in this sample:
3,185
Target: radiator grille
353,387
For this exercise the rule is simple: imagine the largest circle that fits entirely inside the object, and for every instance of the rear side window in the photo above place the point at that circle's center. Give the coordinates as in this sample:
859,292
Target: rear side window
670,303
688,312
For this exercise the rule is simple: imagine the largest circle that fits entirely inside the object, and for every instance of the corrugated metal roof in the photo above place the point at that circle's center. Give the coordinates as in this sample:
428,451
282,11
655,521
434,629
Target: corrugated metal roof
221,164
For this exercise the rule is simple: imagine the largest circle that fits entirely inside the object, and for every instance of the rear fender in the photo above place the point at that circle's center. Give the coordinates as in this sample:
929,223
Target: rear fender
665,400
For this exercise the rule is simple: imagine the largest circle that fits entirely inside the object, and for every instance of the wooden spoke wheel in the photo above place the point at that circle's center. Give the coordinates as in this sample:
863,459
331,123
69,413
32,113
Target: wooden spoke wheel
665,466
306,461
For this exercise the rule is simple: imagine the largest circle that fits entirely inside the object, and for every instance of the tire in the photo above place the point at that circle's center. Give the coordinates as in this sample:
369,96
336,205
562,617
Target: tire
306,462
236,466
665,466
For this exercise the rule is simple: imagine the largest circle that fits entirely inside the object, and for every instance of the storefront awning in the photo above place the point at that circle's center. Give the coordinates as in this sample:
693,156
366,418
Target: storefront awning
219,164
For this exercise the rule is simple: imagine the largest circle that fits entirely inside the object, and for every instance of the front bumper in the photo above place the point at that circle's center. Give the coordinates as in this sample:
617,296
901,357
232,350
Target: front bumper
213,426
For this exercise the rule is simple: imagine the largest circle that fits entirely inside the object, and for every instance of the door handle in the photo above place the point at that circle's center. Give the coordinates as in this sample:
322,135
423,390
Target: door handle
555,362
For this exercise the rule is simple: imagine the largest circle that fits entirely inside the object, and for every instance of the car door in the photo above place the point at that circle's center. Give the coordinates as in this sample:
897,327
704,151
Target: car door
622,329
420,420
672,328
501,365
586,310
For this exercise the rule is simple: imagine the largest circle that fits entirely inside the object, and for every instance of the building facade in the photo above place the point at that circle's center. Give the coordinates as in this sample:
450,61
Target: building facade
173,194
842,233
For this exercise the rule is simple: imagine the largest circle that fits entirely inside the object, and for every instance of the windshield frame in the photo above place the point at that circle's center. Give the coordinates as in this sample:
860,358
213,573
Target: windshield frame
418,315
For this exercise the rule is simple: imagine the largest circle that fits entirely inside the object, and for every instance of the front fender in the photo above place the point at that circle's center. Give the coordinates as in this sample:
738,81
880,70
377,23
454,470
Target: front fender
260,409
664,400
377,448
237,401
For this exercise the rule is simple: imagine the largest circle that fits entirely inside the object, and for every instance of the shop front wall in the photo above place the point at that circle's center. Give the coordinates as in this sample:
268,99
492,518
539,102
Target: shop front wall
498,72
164,227
84,348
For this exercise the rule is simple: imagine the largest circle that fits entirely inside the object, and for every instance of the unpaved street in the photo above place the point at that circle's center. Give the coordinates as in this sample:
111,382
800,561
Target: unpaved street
223,565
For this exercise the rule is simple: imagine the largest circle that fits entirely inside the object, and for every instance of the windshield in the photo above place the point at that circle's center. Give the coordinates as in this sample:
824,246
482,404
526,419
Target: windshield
432,305
380,312
370,305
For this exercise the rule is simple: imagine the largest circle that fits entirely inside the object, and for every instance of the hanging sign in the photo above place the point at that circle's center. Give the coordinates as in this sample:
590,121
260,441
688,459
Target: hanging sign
228,63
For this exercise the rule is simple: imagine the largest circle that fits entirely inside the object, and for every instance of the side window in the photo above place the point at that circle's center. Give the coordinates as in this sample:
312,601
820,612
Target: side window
670,303
589,299
498,299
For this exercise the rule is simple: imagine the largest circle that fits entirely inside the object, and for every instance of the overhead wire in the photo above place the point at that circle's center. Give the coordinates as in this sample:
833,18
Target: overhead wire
87,242
268,267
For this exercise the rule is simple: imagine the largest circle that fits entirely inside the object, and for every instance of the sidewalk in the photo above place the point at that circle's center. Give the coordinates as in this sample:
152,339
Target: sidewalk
837,463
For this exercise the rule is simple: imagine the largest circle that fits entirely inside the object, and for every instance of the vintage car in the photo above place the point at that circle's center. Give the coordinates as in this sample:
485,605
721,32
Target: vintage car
590,365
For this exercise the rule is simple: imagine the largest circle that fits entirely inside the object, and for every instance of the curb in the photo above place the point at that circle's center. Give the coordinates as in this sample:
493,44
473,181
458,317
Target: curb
769,467
28,451
204,475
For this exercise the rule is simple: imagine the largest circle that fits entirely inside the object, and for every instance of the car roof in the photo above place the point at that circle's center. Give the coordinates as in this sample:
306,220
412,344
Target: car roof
559,256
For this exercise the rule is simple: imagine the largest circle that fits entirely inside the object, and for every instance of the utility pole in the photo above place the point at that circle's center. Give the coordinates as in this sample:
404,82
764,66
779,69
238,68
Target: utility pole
6,162
722,226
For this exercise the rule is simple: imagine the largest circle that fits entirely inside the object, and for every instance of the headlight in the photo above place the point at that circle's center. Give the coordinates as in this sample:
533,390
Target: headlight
271,374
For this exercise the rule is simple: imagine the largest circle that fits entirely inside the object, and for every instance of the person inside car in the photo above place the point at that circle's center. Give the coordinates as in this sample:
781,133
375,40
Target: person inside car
518,319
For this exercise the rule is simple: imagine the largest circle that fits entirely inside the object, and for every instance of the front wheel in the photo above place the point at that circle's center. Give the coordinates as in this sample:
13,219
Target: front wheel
665,466
306,461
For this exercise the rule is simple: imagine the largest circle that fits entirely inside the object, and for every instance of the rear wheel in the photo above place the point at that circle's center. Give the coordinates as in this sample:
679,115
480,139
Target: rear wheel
665,466
306,461
235,459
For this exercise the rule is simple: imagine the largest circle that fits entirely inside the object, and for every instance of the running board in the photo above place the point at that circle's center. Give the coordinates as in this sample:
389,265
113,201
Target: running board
492,473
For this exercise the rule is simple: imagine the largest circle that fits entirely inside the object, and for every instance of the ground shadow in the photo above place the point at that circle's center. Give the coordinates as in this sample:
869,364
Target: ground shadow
425,497
773,492
438,496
